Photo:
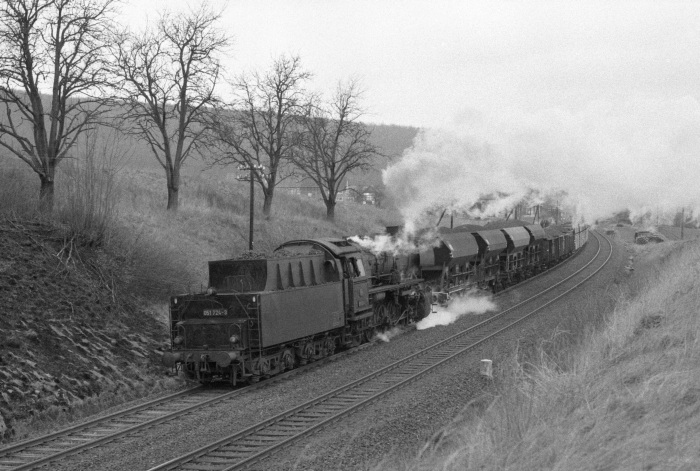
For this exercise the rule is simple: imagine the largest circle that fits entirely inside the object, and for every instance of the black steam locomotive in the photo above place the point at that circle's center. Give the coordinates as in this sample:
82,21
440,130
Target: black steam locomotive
262,316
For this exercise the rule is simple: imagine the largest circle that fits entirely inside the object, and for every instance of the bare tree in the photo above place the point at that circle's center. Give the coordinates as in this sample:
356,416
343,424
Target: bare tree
169,76
335,142
52,74
261,129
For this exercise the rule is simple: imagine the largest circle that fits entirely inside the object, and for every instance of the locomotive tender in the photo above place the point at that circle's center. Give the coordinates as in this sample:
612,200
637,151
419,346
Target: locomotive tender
263,316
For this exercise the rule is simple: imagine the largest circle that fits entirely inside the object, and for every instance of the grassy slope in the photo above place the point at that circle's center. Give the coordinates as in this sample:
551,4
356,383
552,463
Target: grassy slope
213,221
629,400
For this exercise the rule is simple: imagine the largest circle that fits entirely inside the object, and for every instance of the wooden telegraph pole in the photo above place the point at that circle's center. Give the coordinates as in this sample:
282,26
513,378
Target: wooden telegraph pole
252,169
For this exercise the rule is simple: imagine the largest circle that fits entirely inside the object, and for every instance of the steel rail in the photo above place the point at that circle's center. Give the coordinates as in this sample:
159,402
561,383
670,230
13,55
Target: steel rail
261,440
29,454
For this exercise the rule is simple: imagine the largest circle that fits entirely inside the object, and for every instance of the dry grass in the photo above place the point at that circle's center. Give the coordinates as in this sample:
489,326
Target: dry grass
628,399
18,190
212,223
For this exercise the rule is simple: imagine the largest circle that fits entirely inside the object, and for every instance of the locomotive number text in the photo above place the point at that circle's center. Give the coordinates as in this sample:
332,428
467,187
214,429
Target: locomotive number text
214,312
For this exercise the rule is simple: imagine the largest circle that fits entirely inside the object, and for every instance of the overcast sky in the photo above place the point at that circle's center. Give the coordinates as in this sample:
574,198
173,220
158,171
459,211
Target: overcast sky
599,99
425,63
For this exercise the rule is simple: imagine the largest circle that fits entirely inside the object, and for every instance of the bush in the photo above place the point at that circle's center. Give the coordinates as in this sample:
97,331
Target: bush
88,193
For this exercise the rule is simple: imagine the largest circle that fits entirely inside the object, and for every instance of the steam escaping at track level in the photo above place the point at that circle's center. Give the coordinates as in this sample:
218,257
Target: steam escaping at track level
639,155
389,334
467,304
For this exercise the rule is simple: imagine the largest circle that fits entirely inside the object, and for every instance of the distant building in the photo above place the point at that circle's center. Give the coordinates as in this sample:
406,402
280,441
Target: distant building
307,191
369,195
349,194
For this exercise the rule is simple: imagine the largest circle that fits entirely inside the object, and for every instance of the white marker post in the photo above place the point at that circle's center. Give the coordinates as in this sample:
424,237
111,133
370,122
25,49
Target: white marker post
487,369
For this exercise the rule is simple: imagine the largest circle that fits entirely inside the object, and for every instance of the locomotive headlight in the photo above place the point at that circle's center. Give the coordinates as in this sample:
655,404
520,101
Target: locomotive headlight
178,340
234,339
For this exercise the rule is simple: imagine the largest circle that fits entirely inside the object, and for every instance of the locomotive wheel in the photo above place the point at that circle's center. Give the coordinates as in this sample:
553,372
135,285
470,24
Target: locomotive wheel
395,314
262,367
369,333
287,360
423,307
356,340
381,314
307,353
329,346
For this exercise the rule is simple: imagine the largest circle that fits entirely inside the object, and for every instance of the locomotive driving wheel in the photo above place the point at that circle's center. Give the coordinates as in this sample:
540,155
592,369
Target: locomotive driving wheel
381,315
395,314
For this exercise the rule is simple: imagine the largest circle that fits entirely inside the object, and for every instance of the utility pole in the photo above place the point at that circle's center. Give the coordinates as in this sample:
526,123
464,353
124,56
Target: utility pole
252,169
682,221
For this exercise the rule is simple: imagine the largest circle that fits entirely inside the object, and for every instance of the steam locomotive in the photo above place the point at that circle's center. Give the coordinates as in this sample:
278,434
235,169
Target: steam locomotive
263,316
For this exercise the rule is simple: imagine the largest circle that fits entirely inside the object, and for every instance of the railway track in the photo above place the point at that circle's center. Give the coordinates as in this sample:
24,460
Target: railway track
256,443
33,453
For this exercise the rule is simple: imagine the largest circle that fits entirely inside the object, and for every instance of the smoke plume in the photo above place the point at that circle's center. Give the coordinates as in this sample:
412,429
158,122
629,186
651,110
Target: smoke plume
641,155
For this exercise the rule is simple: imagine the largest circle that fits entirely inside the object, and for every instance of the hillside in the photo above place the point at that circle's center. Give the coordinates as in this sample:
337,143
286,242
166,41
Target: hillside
390,140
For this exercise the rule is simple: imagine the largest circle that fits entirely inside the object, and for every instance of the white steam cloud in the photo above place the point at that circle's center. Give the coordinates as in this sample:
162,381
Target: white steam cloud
403,243
642,155
389,334
466,304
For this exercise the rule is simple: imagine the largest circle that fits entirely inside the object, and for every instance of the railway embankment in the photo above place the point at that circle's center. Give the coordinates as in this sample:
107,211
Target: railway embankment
72,342
628,397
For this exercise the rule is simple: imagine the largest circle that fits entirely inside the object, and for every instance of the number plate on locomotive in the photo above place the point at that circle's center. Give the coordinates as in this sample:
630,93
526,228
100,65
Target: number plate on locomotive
214,312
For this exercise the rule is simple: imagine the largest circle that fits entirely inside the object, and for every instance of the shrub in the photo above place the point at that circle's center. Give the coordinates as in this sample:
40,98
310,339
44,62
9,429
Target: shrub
88,193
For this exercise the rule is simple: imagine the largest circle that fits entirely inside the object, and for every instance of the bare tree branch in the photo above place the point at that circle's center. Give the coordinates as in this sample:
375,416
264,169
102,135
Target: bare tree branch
52,78
168,77
260,126
334,142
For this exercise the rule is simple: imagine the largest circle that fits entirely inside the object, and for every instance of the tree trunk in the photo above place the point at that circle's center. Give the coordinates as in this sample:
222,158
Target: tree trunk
330,211
173,189
267,204
46,194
